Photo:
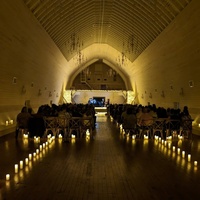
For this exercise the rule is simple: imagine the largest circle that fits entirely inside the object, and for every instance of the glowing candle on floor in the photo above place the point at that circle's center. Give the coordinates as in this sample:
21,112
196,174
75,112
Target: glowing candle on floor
183,154
7,177
169,145
173,148
43,144
21,164
30,156
195,163
26,161
165,143
37,151
189,157
133,137
34,154
40,147
178,150
16,168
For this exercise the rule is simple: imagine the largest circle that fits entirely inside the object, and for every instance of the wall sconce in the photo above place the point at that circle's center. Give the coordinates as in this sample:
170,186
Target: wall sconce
14,80
163,94
39,92
181,92
23,89
50,94
191,83
142,96
32,84
57,95
171,87
150,95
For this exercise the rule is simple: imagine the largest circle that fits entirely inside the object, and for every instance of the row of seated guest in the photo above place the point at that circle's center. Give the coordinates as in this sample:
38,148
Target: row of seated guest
145,115
34,123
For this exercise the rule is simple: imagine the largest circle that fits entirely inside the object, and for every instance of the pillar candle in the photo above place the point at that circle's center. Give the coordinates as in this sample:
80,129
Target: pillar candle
26,161
30,156
178,150
189,157
16,168
183,154
174,148
37,151
21,164
195,163
7,177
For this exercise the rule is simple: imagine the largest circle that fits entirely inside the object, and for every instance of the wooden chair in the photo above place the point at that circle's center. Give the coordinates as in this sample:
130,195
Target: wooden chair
75,124
146,128
51,125
87,124
172,125
62,126
158,127
186,128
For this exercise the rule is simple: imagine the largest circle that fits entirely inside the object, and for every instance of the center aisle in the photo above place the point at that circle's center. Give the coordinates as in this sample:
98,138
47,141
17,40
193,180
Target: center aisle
109,166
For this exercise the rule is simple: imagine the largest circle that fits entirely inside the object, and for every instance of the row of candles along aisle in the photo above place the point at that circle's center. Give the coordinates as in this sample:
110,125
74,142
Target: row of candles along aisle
167,143
41,147
33,155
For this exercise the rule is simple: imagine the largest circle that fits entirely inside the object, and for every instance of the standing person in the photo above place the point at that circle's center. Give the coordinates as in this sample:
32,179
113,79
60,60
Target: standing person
22,120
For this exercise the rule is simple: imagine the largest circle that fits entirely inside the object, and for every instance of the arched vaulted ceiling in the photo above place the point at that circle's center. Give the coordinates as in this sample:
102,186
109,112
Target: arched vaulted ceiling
129,26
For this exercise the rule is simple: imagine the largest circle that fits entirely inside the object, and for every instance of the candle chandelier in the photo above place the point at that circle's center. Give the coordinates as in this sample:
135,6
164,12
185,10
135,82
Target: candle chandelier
74,43
121,60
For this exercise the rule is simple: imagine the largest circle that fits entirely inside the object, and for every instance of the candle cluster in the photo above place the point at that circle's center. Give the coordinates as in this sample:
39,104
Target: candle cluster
175,149
32,156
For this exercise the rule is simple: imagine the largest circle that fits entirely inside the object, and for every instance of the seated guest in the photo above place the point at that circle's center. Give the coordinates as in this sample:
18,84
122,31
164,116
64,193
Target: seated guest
22,120
129,120
36,124
146,118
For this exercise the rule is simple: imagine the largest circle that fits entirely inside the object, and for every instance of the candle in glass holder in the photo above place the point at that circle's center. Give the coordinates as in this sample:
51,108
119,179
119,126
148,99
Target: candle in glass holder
189,157
34,154
21,164
26,161
183,154
16,168
178,150
7,177
173,148
37,151
195,163
30,156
